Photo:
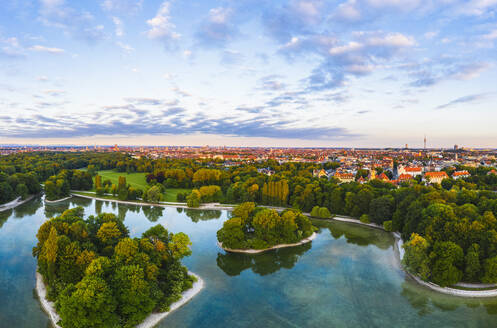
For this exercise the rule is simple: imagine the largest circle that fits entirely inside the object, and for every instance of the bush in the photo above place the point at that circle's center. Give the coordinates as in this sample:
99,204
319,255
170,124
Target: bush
100,191
387,225
365,218
324,213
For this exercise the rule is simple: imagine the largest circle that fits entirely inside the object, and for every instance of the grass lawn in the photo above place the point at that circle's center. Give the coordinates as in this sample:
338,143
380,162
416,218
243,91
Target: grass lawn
170,195
139,181
136,180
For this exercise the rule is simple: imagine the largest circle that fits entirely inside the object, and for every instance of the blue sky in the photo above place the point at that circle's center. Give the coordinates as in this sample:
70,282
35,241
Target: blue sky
249,72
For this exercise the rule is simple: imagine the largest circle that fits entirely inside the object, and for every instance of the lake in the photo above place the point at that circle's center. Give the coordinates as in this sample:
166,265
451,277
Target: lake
347,277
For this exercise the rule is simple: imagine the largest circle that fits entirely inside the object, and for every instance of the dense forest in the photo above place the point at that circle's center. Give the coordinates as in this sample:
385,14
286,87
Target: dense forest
100,277
254,227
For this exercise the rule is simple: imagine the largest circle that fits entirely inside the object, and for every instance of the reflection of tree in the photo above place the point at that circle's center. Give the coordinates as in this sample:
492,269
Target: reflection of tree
55,209
202,215
80,201
418,299
179,209
355,234
264,263
152,213
28,208
98,207
121,212
4,215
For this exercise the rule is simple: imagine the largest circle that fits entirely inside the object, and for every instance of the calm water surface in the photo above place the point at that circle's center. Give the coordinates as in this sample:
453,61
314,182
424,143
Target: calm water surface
347,277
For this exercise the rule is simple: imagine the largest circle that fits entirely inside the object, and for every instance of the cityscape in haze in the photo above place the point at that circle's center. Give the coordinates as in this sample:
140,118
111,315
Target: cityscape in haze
248,163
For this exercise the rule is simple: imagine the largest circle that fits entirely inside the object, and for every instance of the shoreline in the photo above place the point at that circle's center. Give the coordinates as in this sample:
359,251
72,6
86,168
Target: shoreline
14,203
258,251
206,206
149,322
398,250
399,254
57,200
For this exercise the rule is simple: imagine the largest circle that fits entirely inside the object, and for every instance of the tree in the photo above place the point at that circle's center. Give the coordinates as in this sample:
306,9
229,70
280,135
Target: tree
324,213
446,258
416,258
108,232
88,304
133,294
490,275
315,211
22,190
193,200
472,260
154,194
381,209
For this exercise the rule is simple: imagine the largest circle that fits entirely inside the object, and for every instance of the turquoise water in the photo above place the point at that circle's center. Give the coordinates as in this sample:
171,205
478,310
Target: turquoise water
347,277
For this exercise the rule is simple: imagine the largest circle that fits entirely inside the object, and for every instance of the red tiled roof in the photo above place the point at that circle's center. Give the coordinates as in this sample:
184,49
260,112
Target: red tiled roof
460,173
440,174
413,169
404,177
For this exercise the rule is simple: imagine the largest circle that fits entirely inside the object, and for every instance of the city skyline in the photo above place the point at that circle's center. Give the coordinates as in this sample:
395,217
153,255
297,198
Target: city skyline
354,73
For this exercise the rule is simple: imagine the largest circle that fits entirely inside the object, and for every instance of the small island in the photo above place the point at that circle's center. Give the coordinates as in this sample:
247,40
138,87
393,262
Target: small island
99,277
255,229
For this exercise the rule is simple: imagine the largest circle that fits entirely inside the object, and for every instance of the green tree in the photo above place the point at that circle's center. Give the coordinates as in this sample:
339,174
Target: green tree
88,304
472,260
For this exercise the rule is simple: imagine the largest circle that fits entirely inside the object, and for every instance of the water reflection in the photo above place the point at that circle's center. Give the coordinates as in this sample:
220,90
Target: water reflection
263,264
355,234
153,213
202,215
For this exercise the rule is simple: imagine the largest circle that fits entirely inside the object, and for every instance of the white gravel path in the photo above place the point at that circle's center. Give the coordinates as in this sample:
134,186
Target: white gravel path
13,204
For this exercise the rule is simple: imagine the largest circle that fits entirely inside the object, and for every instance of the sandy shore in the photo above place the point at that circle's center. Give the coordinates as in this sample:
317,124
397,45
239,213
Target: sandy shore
57,200
256,251
13,204
155,318
149,322
48,307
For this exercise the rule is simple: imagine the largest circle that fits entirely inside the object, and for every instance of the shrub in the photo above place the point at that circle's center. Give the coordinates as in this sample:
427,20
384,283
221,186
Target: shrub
365,218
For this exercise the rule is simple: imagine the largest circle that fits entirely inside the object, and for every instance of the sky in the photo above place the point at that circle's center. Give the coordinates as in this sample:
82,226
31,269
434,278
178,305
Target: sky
350,73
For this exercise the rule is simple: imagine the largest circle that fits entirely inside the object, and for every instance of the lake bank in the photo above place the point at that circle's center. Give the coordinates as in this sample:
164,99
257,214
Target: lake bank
16,202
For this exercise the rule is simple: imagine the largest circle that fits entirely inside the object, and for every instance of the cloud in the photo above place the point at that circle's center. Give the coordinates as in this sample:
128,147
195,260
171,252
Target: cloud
39,48
172,121
80,24
438,70
341,60
119,26
125,47
293,18
217,29
271,83
464,100
124,6
11,48
161,27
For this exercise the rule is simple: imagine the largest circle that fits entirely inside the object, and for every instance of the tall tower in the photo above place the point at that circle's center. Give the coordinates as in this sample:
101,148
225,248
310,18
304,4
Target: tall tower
425,142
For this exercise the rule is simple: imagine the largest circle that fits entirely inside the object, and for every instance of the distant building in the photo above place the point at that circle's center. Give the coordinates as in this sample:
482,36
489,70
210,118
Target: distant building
344,177
460,174
436,177
405,177
383,177
492,172
412,171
